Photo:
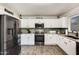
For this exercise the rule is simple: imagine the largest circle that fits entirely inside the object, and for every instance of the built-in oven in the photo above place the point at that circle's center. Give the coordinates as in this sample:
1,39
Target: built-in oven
39,39
39,34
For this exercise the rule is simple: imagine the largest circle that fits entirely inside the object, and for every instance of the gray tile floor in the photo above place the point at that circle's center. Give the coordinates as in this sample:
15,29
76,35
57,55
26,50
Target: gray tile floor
41,50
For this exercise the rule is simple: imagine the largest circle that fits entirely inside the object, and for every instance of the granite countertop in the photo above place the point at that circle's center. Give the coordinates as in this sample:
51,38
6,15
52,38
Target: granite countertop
63,35
76,40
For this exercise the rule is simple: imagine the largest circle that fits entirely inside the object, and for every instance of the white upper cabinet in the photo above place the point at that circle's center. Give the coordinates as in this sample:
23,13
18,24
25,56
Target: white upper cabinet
39,20
53,23
27,23
56,23
48,23
31,23
24,23
64,21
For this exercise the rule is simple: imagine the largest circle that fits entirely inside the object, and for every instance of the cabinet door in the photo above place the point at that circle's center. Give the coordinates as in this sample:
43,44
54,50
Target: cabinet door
24,23
30,39
27,39
50,23
60,42
27,23
54,39
50,39
47,23
64,22
46,39
70,47
39,20
59,23
24,39
31,23
53,23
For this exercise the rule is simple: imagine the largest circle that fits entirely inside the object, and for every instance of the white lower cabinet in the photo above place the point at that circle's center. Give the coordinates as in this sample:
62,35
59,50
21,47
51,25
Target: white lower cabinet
50,39
71,48
27,39
67,45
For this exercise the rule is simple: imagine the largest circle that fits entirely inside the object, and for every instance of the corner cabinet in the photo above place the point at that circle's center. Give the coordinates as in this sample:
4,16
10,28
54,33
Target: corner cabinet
69,46
65,43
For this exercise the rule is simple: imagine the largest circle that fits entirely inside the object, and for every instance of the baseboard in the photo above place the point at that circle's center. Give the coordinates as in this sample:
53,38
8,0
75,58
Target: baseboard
50,44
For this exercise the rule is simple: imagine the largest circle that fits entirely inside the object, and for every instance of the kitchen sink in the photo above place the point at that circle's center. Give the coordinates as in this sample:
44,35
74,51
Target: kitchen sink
73,37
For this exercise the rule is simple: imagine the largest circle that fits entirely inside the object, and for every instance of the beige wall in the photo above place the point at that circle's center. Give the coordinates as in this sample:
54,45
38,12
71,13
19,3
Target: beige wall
72,12
69,15
2,9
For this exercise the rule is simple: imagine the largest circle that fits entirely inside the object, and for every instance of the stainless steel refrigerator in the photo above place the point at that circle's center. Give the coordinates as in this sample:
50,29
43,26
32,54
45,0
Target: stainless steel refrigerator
9,35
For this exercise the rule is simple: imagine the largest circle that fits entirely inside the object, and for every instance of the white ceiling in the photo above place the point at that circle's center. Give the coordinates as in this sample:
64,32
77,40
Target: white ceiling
41,8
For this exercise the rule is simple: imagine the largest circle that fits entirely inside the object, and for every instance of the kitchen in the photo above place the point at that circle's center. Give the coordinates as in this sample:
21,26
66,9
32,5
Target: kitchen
45,29
54,35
